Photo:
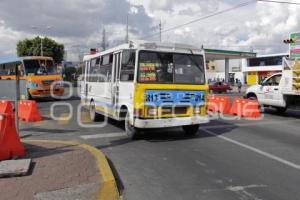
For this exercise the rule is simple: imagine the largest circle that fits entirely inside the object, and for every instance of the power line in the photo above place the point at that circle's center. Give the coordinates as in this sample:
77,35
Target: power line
205,17
281,2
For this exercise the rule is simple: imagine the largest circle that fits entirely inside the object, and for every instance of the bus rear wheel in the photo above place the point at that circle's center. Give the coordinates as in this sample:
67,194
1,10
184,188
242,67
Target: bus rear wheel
131,131
191,130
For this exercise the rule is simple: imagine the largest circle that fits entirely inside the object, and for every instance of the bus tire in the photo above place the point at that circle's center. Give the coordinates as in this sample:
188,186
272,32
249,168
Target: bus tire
281,110
29,97
94,116
131,131
191,130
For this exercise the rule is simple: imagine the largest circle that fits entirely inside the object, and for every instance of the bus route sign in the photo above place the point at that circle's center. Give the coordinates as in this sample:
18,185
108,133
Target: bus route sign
295,46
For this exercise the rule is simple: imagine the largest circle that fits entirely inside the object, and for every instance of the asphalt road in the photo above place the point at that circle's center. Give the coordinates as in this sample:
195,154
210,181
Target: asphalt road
227,160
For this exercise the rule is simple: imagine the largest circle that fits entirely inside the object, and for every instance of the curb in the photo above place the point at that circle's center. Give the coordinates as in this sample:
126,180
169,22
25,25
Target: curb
108,189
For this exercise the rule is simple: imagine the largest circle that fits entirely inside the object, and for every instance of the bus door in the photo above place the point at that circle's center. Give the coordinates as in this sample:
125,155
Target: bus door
85,86
116,81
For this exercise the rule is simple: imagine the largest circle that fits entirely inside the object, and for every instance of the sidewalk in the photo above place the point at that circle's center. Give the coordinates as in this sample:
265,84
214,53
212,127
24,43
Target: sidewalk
65,171
235,89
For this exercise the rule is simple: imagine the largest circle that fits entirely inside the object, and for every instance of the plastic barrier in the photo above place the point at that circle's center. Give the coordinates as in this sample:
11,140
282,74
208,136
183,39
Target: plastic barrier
212,104
5,107
28,111
240,107
10,145
237,106
224,105
251,109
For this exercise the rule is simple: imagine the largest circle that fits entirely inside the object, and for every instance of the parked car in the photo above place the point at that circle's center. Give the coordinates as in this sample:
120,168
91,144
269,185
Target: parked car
219,87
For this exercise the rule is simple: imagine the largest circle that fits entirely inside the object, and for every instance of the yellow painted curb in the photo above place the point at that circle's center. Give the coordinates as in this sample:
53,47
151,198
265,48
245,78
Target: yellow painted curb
108,189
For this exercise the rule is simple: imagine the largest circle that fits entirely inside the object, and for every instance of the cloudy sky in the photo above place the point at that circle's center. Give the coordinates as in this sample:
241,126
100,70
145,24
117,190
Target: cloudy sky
79,23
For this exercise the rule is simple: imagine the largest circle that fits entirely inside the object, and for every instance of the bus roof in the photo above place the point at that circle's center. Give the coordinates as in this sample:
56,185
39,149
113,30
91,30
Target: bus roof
146,45
14,59
11,59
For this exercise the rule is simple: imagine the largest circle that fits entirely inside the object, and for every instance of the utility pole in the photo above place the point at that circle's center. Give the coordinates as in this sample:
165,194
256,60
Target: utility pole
127,31
42,53
42,45
104,39
160,30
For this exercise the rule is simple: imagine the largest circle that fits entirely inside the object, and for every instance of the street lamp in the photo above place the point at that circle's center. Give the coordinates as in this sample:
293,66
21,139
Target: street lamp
36,28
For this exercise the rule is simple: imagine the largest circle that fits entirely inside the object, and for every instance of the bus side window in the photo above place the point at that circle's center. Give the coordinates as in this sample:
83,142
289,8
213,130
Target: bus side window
127,68
93,75
106,68
21,70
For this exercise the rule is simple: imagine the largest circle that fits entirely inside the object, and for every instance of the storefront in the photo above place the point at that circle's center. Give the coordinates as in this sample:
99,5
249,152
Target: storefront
262,67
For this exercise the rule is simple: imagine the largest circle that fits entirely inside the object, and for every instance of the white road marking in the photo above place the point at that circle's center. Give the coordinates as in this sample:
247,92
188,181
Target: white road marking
263,153
258,123
239,190
103,135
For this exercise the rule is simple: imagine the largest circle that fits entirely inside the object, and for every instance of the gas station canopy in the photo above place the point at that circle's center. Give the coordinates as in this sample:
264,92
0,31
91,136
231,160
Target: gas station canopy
226,55
216,54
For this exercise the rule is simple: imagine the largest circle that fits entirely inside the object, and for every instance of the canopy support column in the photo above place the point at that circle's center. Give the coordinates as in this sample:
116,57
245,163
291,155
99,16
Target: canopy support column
226,70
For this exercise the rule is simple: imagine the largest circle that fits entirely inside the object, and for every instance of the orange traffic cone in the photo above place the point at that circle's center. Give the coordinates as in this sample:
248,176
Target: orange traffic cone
28,111
10,145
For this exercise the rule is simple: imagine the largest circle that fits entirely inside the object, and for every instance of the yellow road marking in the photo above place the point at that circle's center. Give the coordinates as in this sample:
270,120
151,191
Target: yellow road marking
108,189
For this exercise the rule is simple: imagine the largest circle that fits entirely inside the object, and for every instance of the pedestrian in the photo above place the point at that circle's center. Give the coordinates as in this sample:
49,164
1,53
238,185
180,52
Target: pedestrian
239,85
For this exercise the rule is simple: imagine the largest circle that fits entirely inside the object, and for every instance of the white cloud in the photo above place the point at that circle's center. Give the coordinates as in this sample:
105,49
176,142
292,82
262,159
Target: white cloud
78,24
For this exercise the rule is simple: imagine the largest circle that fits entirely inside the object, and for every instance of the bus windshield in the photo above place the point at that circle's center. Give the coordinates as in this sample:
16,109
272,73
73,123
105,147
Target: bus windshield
176,68
39,67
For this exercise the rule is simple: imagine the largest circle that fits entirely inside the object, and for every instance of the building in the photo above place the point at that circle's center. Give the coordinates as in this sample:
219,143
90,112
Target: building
216,70
263,66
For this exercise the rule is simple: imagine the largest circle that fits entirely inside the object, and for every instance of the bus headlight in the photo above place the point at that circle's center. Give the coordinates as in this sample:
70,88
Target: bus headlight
32,85
197,110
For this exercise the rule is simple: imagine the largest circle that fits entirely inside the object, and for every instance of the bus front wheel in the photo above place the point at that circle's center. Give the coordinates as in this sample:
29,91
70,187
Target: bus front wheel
131,131
94,116
191,129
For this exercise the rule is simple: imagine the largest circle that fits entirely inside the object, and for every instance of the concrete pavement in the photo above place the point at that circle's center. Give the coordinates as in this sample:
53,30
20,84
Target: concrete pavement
237,159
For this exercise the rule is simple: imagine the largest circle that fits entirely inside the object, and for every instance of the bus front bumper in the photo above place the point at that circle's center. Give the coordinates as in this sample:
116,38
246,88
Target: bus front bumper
170,122
40,93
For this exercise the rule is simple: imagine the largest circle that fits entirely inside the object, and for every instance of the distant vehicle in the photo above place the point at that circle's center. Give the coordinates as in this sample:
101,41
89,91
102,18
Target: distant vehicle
39,72
282,90
219,87
148,85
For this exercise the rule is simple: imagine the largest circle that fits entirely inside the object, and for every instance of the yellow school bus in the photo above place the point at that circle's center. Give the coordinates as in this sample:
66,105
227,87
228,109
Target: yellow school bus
40,73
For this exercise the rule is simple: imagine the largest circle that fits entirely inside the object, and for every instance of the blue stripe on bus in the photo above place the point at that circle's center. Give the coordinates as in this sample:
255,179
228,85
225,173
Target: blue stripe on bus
103,104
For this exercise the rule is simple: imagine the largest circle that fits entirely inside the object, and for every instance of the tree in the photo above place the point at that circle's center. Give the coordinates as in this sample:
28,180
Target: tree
70,74
32,47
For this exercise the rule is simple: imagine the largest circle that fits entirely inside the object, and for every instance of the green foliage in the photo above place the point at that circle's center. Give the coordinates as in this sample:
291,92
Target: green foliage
70,74
32,47
80,69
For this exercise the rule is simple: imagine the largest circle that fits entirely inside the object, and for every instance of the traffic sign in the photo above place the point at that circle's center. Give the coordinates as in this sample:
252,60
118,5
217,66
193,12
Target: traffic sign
295,45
